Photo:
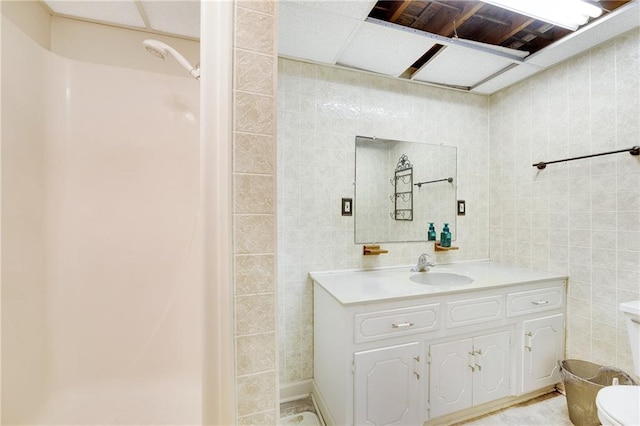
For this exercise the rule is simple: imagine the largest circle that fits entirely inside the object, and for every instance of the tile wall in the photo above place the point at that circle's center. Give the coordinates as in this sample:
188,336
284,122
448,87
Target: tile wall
320,111
582,217
254,174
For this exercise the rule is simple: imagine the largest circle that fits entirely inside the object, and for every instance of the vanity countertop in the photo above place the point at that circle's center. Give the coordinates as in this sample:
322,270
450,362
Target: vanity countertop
379,285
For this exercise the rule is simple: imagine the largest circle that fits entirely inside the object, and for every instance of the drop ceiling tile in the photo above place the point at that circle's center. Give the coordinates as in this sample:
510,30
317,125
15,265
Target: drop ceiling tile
459,66
351,9
506,79
384,50
312,34
499,50
114,12
175,17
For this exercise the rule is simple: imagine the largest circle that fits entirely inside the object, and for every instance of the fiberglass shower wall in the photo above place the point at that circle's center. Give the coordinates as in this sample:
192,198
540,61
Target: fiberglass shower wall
101,294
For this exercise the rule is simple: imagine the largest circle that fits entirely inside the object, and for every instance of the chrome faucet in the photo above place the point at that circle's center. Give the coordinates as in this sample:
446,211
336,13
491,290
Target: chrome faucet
423,264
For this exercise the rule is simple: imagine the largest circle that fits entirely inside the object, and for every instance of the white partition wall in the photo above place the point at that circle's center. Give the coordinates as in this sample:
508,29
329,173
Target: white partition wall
101,304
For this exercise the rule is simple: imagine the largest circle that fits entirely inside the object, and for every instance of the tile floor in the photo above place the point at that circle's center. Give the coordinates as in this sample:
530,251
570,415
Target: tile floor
546,410
296,407
298,413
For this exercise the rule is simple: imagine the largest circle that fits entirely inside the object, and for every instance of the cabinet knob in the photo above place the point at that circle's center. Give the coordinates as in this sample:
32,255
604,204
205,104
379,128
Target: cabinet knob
530,336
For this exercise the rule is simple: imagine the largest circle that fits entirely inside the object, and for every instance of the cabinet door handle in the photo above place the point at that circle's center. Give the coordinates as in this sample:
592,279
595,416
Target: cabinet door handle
402,324
540,302
479,367
473,368
530,336
417,375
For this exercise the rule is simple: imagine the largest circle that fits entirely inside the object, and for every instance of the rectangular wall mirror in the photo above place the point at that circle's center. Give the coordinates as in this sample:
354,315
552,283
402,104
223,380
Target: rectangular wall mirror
400,187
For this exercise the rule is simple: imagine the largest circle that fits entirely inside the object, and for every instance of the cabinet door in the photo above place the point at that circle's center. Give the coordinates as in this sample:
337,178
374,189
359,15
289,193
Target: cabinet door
450,377
386,385
491,379
543,348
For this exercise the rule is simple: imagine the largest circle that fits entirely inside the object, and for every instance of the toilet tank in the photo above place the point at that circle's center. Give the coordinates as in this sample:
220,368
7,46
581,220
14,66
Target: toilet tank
632,312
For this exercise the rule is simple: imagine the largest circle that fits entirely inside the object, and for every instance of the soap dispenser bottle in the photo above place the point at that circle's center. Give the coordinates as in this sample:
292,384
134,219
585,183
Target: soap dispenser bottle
431,234
445,236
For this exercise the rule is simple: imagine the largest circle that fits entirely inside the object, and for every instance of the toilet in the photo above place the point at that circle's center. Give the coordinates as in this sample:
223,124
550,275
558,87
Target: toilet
619,405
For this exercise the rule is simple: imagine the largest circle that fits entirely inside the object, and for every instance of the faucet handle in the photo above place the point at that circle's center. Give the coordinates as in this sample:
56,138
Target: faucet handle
422,263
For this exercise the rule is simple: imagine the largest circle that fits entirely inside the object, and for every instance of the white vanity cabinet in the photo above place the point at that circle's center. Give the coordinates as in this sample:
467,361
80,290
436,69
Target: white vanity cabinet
438,357
386,385
468,372
542,334
543,347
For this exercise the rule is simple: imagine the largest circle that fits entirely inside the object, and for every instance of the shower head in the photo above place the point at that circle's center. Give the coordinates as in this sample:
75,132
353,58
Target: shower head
161,50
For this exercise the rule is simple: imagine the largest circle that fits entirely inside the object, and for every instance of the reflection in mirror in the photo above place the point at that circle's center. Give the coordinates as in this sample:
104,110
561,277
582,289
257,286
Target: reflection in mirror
402,196
433,190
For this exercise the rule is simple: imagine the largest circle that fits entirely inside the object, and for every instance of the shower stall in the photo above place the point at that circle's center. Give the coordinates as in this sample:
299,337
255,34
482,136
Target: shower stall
102,299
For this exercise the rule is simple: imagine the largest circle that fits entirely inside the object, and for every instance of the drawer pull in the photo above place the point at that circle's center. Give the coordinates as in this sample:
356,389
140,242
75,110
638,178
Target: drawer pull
402,324
540,302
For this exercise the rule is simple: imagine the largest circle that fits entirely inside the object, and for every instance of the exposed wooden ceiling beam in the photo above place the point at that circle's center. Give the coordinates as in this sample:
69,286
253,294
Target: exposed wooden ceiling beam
400,10
518,23
449,29
424,17
476,20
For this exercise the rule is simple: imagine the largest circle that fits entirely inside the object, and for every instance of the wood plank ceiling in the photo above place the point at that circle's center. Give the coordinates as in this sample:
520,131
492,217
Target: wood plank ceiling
474,20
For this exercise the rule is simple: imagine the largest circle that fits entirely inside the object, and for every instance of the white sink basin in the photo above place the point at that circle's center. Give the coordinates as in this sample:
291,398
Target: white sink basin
440,278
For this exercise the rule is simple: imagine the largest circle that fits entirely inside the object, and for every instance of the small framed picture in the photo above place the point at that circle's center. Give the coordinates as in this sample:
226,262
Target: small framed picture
347,207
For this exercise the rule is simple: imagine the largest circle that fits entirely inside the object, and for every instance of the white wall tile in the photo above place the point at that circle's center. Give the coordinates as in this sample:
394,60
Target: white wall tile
582,106
322,110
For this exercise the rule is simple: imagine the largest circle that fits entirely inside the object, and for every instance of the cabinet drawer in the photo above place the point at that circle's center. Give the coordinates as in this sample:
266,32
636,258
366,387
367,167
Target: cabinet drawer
526,302
395,322
473,311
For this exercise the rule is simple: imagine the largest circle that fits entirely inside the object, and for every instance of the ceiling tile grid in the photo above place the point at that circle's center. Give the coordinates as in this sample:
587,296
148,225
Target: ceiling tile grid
461,67
351,9
176,17
383,50
117,12
311,33
459,44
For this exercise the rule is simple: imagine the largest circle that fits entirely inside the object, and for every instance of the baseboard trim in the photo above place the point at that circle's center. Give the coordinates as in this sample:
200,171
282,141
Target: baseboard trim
295,390
321,406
